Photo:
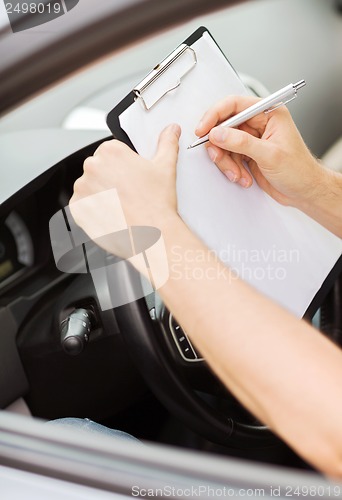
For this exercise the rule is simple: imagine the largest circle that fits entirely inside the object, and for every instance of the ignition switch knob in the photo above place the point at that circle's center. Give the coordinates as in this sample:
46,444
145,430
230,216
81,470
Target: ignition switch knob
75,330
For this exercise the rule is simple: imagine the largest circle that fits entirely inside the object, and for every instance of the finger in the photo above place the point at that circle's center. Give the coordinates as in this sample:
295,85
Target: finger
225,163
246,180
97,150
250,130
259,178
101,146
91,164
168,146
238,141
231,105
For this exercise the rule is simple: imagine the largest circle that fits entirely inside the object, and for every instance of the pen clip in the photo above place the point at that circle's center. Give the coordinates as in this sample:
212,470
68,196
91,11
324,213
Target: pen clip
279,105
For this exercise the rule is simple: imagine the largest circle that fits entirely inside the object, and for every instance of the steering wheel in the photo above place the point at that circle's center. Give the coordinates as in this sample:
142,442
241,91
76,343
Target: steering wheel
157,345
165,357
154,339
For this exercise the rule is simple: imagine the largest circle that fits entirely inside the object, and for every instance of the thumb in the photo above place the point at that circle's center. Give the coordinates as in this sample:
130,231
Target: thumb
168,146
238,141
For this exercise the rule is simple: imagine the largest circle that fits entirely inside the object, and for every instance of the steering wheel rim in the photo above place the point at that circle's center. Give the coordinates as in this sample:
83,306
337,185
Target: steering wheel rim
142,337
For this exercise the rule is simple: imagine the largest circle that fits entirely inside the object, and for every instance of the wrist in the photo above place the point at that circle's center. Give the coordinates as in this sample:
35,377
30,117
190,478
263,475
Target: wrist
167,220
316,185
324,202
170,227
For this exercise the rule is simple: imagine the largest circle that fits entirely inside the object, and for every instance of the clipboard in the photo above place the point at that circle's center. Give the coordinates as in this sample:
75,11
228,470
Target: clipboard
113,121
268,230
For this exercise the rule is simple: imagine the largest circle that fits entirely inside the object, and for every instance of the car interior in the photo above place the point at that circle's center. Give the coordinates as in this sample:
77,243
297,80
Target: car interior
130,371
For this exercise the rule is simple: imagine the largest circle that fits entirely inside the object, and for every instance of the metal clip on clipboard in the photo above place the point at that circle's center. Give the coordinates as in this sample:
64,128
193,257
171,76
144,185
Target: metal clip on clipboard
179,57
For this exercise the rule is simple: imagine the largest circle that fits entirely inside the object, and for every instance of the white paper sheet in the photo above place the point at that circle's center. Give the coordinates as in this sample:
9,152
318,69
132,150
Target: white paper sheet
278,250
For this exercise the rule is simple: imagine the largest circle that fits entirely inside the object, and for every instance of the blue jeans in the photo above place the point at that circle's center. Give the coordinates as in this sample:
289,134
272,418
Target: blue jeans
88,426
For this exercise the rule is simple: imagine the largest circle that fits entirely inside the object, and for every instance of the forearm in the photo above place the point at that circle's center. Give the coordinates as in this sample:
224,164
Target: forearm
325,203
277,366
280,368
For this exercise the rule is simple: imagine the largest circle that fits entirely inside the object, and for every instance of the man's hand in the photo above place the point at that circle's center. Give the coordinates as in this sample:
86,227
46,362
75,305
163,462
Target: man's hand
145,189
271,145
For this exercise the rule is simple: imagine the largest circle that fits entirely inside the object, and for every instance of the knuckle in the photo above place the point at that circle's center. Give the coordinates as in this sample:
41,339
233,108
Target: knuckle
221,166
219,156
116,147
108,144
221,160
284,111
72,200
227,103
207,116
172,141
278,155
242,140
105,147
79,186
108,147
89,164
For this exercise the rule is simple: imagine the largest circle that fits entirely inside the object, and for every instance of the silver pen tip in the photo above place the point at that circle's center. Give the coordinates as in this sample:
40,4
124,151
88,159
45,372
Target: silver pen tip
189,147
300,84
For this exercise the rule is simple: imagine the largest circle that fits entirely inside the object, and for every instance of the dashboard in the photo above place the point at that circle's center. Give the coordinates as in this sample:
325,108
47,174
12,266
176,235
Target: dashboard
25,247
35,298
16,248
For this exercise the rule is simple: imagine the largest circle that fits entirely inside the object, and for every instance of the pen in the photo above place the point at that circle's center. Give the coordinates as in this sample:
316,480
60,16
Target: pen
270,103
